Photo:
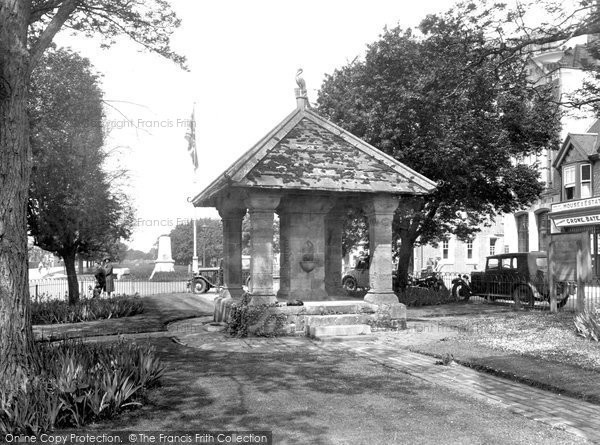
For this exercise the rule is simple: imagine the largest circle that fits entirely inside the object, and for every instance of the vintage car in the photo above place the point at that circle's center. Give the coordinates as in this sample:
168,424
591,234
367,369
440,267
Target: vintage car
208,277
357,277
521,277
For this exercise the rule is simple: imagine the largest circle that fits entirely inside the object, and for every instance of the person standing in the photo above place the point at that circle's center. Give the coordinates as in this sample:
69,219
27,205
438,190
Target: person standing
110,277
100,275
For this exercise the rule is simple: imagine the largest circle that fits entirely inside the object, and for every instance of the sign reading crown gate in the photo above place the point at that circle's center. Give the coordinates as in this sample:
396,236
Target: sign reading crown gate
589,204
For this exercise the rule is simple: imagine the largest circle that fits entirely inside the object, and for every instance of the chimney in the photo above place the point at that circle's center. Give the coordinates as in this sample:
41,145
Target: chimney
301,99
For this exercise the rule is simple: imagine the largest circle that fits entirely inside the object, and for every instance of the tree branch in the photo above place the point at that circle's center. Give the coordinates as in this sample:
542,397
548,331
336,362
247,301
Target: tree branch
64,12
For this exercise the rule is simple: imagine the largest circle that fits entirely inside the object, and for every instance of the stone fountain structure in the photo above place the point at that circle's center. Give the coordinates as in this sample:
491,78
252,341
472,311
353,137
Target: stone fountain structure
309,171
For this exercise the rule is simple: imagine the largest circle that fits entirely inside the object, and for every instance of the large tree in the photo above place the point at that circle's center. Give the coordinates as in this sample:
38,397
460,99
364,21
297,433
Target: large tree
209,241
431,102
72,208
27,28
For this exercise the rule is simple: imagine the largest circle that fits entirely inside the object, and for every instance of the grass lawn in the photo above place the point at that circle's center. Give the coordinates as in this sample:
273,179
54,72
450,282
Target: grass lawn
534,347
319,397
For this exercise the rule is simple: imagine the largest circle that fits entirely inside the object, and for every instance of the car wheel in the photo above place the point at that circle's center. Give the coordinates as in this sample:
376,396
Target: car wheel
440,286
523,295
460,292
562,302
562,290
350,284
200,286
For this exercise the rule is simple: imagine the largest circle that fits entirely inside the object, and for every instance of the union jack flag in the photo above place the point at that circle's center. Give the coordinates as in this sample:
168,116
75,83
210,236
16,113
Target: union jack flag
190,136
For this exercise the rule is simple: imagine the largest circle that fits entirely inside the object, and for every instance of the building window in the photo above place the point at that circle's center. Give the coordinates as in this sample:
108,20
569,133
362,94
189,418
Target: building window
523,232
493,246
506,248
445,249
569,182
543,222
470,249
586,181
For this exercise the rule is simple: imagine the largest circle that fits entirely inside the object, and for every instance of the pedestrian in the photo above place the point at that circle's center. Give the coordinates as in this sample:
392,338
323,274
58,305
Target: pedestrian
100,275
110,277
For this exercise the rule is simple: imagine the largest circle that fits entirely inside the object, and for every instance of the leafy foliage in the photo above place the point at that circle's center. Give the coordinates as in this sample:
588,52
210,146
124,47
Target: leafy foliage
587,324
209,237
148,23
258,320
441,106
87,309
73,208
78,383
421,296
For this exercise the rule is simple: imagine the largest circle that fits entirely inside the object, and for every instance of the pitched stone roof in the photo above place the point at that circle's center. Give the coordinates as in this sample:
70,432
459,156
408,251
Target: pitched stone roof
307,152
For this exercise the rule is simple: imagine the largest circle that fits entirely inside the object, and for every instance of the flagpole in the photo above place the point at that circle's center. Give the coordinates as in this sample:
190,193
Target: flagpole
195,257
193,135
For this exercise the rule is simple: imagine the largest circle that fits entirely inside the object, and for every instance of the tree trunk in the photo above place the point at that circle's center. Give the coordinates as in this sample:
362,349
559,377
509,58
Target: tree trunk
16,338
405,256
80,265
69,259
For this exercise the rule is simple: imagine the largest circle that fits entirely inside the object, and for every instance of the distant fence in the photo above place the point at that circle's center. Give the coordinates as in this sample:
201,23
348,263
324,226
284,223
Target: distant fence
59,288
502,289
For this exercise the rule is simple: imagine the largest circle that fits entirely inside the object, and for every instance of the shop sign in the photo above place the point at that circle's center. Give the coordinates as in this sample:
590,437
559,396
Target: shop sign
579,204
577,220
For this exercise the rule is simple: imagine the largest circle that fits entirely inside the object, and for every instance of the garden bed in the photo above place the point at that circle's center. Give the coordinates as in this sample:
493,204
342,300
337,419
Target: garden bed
537,348
87,309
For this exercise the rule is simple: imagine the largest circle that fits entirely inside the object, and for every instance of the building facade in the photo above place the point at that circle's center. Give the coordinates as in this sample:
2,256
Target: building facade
530,229
577,207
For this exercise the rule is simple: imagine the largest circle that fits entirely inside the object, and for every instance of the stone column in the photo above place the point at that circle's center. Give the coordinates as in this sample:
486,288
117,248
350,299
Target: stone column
232,251
284,256
380,213
334,227
262,207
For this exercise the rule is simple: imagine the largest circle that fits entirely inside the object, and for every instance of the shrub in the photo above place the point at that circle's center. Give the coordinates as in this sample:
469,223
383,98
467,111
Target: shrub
422,296
587,324
78,383
86,309
259,320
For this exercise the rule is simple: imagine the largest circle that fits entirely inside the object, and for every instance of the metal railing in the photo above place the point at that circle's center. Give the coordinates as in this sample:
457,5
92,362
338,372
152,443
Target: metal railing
502,289
59,288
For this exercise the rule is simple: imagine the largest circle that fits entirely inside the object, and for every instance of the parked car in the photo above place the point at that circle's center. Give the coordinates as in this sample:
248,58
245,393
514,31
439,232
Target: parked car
209,277
518,276
357,277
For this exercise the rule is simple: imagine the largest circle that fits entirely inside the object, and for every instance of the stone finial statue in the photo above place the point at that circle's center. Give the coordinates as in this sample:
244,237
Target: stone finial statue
300,81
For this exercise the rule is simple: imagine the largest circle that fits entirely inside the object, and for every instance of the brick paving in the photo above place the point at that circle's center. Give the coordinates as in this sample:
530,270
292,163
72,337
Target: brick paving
572,415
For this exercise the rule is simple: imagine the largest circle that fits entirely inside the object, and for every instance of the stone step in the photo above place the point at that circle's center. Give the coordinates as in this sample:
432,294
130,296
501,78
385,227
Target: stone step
339,330
340,338
333,320
337,307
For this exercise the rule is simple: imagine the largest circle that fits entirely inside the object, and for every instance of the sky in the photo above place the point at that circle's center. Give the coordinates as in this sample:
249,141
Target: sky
242,57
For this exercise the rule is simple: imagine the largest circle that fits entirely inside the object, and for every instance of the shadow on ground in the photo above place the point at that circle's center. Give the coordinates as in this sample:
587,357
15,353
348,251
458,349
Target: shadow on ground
311,395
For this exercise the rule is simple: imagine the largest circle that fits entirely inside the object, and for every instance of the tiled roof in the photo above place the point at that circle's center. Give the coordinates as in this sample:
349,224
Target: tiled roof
583,145
307,152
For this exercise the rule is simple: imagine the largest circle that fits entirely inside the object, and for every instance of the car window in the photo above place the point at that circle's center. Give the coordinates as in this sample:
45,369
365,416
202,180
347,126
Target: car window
508,263
542,263
492,263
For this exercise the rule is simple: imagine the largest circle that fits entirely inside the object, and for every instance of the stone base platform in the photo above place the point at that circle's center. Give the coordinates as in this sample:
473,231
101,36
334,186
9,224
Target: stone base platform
299,319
